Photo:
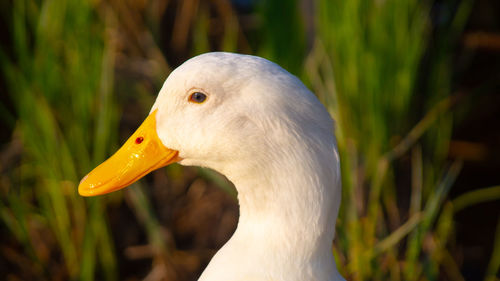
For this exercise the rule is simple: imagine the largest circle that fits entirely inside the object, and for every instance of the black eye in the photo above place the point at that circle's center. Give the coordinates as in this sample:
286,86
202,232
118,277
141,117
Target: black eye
197,97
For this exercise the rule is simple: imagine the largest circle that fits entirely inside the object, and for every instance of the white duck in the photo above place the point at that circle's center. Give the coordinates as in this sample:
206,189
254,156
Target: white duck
254,122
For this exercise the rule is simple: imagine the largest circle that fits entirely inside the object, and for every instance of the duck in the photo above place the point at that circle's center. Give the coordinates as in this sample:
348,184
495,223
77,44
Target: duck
260,126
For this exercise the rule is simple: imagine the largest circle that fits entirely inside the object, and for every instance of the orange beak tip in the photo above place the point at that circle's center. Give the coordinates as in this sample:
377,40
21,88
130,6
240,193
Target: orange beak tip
142,153
83,179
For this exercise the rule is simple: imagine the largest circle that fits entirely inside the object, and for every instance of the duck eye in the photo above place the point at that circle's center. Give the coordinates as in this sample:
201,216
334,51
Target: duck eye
139,140
197,97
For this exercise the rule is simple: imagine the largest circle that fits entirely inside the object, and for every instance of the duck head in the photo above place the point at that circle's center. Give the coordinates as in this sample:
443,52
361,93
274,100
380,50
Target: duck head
236,114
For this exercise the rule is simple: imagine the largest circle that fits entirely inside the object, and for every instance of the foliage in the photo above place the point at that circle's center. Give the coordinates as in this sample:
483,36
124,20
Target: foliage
62,76
364,62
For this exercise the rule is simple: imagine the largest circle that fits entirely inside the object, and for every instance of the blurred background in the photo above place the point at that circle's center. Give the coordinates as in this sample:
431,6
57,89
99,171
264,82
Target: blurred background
414,87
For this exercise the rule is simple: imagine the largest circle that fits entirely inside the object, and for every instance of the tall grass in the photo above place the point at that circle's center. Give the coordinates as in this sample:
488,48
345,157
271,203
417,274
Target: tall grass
60,81
365,64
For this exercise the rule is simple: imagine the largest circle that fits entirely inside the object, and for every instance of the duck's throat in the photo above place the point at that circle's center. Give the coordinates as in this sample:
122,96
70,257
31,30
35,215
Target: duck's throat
286,225
294,208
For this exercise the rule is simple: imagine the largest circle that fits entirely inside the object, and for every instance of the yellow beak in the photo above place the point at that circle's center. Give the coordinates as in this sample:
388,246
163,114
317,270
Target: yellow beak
142,153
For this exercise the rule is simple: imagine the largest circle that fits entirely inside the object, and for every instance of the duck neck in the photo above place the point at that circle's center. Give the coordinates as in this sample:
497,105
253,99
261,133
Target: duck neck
290,205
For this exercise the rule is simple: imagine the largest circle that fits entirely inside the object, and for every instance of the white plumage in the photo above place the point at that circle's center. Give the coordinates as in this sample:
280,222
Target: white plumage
264,130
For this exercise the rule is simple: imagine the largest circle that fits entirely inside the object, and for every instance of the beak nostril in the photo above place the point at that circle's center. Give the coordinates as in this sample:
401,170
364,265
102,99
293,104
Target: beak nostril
139,140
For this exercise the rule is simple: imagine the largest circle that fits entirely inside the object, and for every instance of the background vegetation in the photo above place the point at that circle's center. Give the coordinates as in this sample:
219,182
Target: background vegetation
79,76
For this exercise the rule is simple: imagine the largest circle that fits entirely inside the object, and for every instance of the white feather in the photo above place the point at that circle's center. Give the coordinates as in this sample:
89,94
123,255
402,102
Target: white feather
264,130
